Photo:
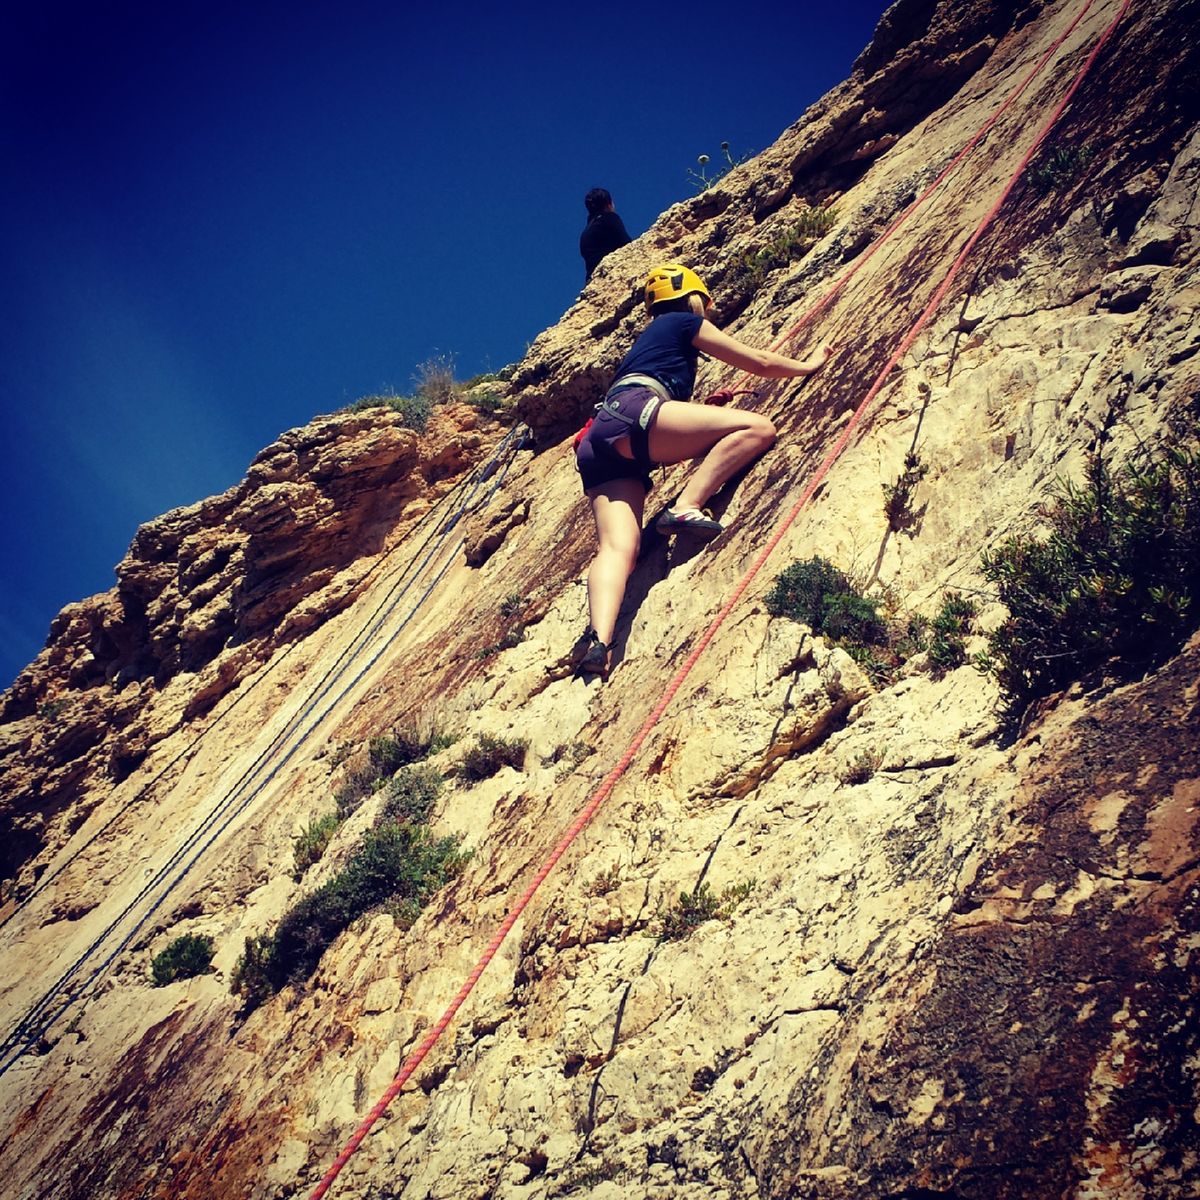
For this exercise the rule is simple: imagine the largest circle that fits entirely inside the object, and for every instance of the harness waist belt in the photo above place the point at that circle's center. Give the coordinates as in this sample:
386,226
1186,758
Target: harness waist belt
644,381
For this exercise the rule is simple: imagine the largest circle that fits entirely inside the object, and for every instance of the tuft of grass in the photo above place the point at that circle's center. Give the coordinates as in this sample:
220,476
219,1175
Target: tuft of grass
488,754
435,380
412,793
187,956
789,246
607,881
693,909
862,767
311,845
568,756
1115,583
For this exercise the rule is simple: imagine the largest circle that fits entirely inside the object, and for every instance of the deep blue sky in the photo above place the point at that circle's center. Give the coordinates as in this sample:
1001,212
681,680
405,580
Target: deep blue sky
219,220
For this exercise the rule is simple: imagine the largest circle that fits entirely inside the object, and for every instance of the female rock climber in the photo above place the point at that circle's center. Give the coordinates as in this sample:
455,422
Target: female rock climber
645,420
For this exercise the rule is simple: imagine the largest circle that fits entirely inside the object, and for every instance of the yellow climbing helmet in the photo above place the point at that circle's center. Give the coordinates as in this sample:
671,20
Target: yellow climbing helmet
672,281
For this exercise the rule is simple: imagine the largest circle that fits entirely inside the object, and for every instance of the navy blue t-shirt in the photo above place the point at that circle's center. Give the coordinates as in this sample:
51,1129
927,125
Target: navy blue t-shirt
665,352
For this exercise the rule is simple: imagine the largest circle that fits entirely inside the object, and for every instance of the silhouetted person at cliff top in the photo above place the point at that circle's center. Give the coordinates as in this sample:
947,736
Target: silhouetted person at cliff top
604,231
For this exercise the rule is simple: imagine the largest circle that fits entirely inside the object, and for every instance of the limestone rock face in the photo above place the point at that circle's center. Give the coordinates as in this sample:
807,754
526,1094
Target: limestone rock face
952,958
208,593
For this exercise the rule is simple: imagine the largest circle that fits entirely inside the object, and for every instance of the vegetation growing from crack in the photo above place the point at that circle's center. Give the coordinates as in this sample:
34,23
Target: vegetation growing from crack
434,384
704,178
568,755
312,843
397,863
1115,584
871,629
512,610
187,956
488,753
947,633
693,909
395,867
897,497
1057,169
791,245
861,768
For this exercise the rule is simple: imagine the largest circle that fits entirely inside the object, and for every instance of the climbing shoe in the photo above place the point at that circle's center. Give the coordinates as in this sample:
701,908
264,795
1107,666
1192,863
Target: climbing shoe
589,655
687,520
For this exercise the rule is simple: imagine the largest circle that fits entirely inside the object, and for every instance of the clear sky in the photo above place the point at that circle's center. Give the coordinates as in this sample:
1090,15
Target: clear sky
219,220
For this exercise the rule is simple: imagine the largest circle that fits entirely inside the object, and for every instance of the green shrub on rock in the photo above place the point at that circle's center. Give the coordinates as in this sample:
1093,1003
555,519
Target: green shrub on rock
393,862
310,845
488,754
188,955
816,593
1115,583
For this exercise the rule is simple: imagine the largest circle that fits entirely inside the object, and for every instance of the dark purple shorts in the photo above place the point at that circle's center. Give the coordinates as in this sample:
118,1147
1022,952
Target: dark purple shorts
597,458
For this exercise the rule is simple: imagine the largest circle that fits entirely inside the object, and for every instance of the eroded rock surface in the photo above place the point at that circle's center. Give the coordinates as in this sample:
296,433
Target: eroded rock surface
954,961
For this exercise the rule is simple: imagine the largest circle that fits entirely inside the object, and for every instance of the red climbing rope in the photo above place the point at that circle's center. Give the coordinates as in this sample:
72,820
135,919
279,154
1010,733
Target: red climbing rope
602,793
825,301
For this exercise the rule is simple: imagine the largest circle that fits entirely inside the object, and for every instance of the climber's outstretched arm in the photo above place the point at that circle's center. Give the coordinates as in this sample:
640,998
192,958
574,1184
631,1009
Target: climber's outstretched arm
765,363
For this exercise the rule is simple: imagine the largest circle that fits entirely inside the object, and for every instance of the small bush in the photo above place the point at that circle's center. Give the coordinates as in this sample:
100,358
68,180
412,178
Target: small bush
188,955
254,973
489,754
357,784
1057,169
490,402
411,794
392,863
1116,581
415,410
310,845
947,631
51,710
692,909
386,754
816,593
513,605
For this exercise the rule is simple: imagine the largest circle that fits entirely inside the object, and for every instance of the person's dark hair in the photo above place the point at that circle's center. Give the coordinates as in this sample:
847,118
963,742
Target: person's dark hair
596,201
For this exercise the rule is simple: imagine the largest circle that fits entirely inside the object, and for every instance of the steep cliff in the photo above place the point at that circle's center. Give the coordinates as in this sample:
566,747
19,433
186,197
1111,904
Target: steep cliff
955,958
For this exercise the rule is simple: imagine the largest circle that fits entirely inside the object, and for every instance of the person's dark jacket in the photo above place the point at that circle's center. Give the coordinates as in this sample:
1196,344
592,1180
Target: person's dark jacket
603,234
